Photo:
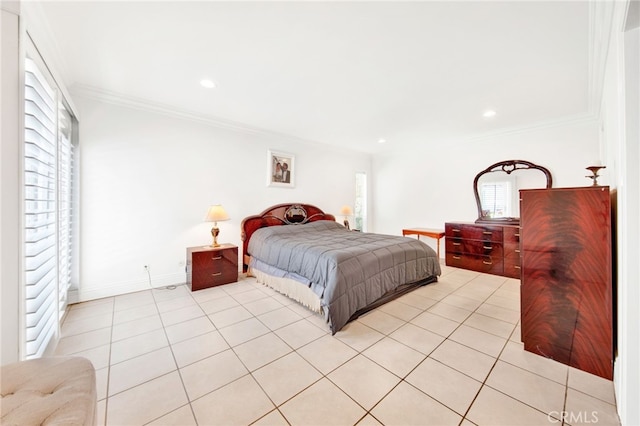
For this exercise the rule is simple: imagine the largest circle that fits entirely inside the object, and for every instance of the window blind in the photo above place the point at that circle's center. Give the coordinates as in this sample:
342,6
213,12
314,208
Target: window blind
40,211
494,197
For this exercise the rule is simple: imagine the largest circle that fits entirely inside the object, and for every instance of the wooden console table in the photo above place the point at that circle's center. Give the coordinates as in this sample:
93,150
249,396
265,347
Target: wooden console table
427,232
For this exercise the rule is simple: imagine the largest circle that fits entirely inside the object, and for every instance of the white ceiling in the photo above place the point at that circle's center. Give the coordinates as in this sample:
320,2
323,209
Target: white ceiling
342,73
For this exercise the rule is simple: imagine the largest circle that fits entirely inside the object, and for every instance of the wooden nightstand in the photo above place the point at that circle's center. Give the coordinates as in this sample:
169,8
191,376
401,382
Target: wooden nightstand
211,266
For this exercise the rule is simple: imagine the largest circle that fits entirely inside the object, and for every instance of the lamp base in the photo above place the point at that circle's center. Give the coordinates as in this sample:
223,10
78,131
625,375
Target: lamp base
346,223
215,231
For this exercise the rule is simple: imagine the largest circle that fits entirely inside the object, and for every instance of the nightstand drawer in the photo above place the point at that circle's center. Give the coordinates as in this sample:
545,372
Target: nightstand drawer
218,260
204,278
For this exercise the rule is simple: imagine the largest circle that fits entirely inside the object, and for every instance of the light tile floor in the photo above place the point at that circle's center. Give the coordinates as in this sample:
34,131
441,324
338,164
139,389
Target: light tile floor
445,354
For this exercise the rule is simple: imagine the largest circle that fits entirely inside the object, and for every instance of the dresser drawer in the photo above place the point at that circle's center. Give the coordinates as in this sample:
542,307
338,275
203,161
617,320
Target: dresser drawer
511,235
485,248
473,232
512,251
488,264
512,266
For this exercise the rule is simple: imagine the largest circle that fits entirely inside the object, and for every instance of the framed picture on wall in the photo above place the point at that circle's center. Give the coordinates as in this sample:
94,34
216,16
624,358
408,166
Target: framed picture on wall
280,169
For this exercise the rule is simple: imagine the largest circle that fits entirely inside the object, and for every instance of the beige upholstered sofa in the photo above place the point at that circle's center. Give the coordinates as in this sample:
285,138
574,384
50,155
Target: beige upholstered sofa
48,391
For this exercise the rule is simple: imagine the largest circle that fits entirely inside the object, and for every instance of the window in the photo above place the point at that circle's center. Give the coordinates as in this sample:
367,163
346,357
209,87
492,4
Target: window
496,199
360,210
48,208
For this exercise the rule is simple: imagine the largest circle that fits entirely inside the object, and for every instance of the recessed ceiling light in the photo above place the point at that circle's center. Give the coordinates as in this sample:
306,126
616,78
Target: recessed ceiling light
207,83
489,113
382,140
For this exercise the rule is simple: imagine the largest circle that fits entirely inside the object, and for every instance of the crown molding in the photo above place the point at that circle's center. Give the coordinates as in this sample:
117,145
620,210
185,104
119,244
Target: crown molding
572,120
10,6
141,104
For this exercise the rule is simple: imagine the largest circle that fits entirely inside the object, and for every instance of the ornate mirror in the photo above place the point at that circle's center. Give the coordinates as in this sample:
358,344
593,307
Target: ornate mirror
497,189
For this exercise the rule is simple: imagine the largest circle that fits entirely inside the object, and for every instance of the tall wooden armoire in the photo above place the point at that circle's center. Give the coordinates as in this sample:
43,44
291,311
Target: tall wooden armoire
566,286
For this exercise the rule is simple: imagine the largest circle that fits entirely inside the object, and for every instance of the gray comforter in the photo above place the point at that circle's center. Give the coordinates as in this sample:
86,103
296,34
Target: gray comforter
348,270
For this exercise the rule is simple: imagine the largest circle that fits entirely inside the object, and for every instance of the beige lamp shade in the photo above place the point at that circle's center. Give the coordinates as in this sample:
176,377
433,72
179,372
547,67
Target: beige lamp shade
346,210
215,214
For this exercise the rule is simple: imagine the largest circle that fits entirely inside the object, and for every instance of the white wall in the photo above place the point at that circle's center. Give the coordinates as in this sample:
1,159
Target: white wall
629,240
10,198
620,139
433,185
147,180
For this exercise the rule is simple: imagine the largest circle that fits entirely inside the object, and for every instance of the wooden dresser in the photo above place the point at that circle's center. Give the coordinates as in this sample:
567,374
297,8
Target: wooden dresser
494,249
211,266
566,290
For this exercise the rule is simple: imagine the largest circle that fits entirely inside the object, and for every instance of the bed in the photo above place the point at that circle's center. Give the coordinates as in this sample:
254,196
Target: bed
302,252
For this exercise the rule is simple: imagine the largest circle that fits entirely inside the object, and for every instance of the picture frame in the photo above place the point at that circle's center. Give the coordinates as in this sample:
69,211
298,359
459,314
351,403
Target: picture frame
280,169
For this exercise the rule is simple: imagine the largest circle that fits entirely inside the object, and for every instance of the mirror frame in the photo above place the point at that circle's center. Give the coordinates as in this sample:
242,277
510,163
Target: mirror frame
508,167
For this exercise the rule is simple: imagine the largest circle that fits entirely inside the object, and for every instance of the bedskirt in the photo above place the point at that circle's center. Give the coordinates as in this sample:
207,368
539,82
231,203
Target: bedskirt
291,288
295,288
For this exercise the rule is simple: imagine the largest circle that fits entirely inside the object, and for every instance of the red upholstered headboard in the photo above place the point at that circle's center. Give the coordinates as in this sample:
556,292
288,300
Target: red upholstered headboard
281,214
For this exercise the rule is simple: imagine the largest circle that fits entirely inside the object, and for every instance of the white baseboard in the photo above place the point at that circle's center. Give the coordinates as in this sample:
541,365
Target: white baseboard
86,293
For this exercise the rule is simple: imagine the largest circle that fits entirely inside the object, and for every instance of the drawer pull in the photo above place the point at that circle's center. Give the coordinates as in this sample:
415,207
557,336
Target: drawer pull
216,258
457,257
516,235
517,251
486,232
217,274
487,247
457,244
455,230
516,266
487,263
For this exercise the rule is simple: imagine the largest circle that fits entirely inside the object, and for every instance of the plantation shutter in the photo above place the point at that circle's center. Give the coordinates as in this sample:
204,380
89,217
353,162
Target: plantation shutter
65,205
40,211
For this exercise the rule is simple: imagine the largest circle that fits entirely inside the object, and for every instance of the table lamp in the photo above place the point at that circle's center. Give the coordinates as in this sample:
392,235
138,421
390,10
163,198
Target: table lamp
346,211
215,214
